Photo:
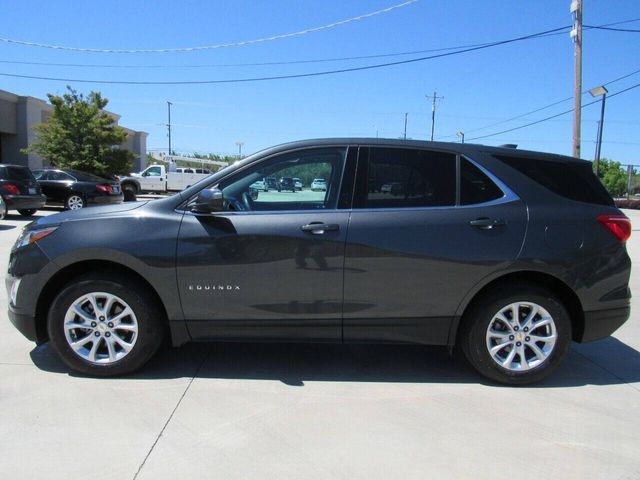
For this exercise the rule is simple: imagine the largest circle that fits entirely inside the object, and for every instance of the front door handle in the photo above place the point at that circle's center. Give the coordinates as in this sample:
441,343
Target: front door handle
486,223
318,228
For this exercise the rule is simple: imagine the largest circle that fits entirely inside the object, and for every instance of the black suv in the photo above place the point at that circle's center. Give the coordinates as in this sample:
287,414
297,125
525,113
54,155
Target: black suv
505,255
286,183
20,190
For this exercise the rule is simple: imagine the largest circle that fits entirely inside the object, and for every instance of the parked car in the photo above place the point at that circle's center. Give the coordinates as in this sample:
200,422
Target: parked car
74,189
286,183
260,185
270,184
393,188
297,183
3,208
319,185
503,255
20,190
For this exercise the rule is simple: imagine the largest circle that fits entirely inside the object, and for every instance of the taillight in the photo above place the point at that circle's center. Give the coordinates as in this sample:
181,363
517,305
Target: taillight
11,189
618,225
104,188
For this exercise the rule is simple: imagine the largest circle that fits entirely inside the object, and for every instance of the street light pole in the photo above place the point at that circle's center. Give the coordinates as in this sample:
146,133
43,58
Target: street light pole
461,135
169,124
239,144
597,92
405,125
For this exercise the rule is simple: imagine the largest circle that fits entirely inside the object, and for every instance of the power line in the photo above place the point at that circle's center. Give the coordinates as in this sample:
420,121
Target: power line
635,72
630,30
554,116
282,77
212,47
261,64
289,62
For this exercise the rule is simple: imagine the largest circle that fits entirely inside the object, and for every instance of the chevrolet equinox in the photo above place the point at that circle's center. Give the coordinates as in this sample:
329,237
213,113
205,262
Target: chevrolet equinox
506,255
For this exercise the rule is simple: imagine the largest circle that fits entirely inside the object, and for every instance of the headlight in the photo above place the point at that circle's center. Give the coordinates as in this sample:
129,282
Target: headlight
27,237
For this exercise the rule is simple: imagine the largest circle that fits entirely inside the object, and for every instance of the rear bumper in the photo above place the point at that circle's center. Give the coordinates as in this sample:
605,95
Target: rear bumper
602,323
106,199
24,202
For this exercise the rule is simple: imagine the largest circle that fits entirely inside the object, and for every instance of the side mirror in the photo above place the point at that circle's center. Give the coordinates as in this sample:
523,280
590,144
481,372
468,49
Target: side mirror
208,201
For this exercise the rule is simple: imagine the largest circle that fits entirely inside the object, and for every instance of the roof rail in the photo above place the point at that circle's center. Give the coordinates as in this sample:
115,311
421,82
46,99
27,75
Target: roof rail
509,145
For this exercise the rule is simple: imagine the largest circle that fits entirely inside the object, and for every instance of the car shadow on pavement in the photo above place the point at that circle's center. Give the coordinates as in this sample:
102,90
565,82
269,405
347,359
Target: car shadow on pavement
608,362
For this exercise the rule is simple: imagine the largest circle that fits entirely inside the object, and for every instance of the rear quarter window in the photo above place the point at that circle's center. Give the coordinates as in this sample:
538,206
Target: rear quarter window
16,173
570,179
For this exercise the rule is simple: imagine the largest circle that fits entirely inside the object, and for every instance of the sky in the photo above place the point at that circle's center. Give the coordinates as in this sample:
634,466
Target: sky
481,88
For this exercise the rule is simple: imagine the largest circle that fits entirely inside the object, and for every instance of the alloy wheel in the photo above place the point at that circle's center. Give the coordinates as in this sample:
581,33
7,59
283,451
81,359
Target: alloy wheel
521,336
100,328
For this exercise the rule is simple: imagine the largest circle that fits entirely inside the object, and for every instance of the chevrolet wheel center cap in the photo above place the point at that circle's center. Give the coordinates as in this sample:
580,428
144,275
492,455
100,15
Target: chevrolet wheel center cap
102,327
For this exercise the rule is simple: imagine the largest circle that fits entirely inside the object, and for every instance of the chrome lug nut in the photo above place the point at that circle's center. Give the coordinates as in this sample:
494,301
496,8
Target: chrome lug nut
110,324
97,334
93,324
511,337
107,334
527,339
526,329
102,319
518,344
516,328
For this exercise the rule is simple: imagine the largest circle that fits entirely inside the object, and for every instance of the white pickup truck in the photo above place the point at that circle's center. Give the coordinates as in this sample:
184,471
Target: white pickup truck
156,179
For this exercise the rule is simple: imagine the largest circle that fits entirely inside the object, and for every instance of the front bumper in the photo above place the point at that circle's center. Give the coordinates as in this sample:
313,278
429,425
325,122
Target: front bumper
25,323
24,202
602,323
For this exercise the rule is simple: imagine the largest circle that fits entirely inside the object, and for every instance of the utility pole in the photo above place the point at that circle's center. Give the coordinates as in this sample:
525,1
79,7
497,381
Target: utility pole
169,124
433,111
405,125
576,35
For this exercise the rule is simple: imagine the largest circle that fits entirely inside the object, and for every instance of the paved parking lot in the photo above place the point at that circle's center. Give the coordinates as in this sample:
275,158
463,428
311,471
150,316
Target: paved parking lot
318,412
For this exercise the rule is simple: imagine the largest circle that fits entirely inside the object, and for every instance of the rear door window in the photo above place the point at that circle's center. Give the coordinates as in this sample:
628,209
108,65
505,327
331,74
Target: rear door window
405,178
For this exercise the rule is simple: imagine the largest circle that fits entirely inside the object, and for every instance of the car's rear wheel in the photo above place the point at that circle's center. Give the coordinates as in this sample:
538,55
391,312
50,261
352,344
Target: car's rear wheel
104,325
74,202
517,334
28,212
3,208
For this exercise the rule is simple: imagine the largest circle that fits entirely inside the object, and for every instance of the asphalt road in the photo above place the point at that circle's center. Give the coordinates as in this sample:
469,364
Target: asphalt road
241,411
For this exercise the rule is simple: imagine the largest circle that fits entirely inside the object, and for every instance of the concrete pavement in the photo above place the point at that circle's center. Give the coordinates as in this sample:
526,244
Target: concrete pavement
236,411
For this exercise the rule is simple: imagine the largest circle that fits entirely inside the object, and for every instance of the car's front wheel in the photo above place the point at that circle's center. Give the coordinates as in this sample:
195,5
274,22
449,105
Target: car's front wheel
104,325
517,334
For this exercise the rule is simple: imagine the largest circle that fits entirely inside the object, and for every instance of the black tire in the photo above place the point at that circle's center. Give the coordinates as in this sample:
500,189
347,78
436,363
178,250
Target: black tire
150,324
3,208
129,194
74,201
27,212
472,336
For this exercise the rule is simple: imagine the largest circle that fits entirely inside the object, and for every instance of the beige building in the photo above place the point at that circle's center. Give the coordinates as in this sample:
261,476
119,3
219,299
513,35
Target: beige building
18,116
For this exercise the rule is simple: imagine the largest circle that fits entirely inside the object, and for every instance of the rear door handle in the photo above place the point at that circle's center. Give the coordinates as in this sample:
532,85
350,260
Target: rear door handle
485,223
319,228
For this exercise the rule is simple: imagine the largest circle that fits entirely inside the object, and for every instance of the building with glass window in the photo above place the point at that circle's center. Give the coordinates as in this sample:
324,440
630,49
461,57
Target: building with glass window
18,116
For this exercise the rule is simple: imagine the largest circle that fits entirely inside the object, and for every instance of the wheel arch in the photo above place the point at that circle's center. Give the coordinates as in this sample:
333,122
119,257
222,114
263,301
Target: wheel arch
564,293
130,183
74,270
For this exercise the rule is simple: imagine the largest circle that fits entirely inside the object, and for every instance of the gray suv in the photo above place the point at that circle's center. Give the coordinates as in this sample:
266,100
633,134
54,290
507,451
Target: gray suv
505,255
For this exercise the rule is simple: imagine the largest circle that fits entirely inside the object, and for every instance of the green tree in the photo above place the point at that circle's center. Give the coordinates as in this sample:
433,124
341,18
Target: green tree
613,177
81,135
